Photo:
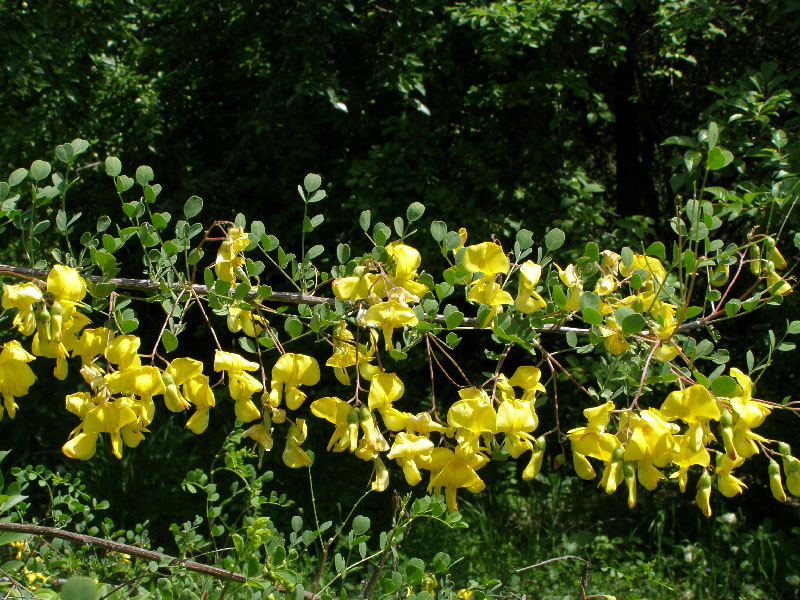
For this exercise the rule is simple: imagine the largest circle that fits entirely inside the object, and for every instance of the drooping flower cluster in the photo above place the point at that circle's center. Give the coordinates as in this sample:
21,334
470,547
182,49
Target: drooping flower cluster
676,437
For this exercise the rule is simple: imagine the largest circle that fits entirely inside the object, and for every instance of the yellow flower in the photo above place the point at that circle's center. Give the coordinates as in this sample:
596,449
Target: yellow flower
384,389
381,480
65,283
243,320
122,351
605,285
486,291
650,445
688,453
703,496
107,417
51,349
179,371
472,416
197,391
528,300
358,287
613,340
664,314
289,373
655,270
452,471
487,258
228,259
593,440
728,485
22,296
346,355
93,342
16,377
388,316
407,449
294,456
345,419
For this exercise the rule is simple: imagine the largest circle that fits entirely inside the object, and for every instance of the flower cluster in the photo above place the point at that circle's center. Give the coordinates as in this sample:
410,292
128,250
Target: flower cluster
677,436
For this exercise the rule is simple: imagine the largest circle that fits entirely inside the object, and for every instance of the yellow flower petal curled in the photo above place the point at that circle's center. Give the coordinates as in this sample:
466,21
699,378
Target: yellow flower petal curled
381,479
487,258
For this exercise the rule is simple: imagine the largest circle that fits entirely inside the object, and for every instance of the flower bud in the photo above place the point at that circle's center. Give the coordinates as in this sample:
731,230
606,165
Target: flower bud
775,483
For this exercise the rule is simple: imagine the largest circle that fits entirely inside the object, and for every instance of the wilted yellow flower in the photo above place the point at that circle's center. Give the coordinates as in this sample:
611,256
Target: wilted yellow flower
294,456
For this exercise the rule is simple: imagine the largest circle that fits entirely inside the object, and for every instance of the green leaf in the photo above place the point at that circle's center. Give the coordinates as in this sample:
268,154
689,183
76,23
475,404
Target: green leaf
554,239
79,146
41,227
627,257
360,524
169,340
657,249
61,220
343,253
724,386
713,135
317,196
692,158
452,340
591,251
65,153
414,211
149,194
718,159
312,182
129,325
270,242
124,183
17,177
293,326
315,251
692,312
591,316
399,226
193,206
559,298
438,230
144,175
632,324
364,220
793,327
40,169
79,588
454,319
113,166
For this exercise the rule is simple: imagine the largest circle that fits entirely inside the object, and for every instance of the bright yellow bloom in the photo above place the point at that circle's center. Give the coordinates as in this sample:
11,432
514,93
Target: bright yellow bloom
122,351
179,371
22,296
703,496
346,355
487,258
384,389
228,259
605,285
593,440
197,391
51,349
16,377
65,283
243,320
388,316
728,485
289,373
664,313
381,479
655,270
486,291
93,342
407,449
528,300
613,340
650,445
688,453
358,287
107,417
452,471
345,419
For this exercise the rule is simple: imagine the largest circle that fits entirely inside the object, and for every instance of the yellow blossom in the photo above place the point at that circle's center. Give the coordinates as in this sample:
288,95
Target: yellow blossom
22,296
528,300
288,374
452,471
388,316
487,258
294,456
16,377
